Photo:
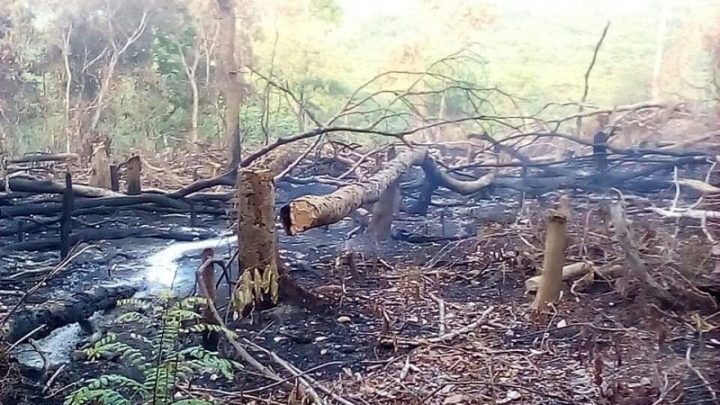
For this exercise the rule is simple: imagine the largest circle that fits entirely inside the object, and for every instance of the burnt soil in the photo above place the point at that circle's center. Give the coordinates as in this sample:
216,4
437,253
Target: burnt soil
596,347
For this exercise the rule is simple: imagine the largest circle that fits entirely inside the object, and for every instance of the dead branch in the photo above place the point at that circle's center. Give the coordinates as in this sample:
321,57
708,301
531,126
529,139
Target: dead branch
578,122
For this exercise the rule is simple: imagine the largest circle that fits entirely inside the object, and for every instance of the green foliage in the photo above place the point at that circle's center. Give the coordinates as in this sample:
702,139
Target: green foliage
167,365
322,50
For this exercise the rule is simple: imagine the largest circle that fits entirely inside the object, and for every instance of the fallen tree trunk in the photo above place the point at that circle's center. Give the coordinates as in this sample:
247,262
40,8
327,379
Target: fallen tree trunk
89,235
57,313
21,183
117,201
45,157
309,212
434,178
464,187
574,271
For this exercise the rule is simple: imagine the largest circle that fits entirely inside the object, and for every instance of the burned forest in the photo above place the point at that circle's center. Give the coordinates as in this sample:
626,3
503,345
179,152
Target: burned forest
354,203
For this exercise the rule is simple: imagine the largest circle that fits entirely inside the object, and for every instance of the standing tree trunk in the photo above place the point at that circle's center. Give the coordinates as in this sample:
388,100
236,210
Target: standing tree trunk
232,91
660,48
190,68
263,280
68,87
117,51
551,281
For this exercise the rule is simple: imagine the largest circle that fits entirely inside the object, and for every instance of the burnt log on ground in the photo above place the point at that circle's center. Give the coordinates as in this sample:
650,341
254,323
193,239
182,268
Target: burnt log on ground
309,212
57,313
434,178
45,157
121,200
28,184
90,235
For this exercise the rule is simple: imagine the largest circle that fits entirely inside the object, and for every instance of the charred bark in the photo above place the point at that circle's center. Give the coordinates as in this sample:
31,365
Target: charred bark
60,312
66,217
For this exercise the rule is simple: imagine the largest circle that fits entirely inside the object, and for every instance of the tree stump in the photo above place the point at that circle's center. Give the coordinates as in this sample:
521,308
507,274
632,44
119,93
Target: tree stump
551,280
263,280
100,162
132,176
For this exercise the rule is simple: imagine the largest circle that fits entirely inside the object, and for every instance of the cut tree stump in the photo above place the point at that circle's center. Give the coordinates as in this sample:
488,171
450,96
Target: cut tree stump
551,281
258,245
132,176
100,161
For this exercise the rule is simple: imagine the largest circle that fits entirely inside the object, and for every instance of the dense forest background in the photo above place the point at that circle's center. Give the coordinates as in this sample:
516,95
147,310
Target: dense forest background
149,74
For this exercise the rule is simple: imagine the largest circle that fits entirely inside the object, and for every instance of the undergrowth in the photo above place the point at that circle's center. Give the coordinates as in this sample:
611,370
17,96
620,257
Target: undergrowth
156,366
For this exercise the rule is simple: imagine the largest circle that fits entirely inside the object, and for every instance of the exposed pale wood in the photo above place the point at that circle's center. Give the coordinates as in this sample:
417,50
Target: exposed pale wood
313,211
551,281
100,161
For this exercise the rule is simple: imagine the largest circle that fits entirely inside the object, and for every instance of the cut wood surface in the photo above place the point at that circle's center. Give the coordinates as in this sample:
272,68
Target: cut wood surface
310,212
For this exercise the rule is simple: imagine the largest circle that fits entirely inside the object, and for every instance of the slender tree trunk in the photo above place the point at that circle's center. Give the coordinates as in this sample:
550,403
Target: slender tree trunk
660,48
68,86
231,85
194,136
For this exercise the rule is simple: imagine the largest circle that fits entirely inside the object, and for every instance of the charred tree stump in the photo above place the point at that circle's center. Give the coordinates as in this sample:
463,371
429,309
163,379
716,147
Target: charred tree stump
66,217
258,256
132,176
423,202
600,150
114,178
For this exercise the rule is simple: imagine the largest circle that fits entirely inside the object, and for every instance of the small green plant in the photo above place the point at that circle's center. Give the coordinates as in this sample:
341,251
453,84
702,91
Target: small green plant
167,364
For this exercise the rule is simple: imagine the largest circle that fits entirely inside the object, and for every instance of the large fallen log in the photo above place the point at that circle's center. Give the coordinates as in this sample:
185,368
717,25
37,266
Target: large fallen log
28,184
309,212
45,157
60,312
434,178
89,235
116,201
